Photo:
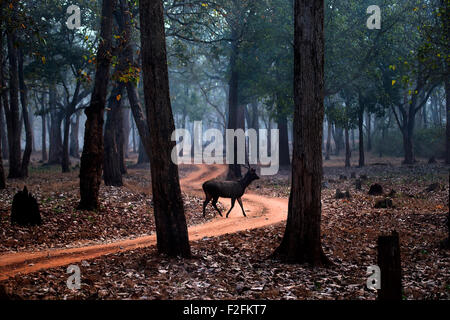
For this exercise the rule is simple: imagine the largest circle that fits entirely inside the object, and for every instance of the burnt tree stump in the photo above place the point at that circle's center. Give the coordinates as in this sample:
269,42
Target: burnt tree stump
25,209
375,190
390,267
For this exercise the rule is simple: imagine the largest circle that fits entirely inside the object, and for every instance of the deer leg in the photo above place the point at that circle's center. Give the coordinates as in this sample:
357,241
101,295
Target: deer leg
205,203
214,203
242,207
232,205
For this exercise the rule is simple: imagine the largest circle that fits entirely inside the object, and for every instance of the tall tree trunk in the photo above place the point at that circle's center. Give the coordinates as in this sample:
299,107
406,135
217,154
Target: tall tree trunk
234,169
301,242
55,152
112,173
348,152
92,157
133,132
123,18
74,150
13,114
408,146
26,119
171,228
284,141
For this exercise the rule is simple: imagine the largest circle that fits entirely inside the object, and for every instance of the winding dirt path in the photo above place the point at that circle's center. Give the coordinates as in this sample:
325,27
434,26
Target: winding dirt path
261,211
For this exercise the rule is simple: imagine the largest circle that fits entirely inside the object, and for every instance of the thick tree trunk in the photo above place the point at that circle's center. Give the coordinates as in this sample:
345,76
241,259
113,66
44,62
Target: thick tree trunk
301,242
112,173
390,267
26,119
284,141
234,169
171,228
408,147
92,157
74,150
13,114
142,153
338,136
348,152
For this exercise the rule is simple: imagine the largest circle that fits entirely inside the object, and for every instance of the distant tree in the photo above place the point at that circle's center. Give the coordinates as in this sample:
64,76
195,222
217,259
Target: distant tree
301,242
92,156
171,228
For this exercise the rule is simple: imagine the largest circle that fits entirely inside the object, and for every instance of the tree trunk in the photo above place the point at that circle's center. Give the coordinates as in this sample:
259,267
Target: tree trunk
348,152
171,228
301,242
26,119
408,146
284,141
74,150
13,114
112,173
55,153
92,157
142,154
390,267
234,169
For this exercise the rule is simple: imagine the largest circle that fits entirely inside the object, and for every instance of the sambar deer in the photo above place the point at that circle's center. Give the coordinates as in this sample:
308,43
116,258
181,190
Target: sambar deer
214,189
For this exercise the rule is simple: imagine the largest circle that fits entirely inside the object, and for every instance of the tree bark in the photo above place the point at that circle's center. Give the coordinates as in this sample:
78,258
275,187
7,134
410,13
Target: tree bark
301,242
234,169
171,228
112,173
126,132
284,141
55,152
74,150
44,131
26,119
92,156
13,113
390,267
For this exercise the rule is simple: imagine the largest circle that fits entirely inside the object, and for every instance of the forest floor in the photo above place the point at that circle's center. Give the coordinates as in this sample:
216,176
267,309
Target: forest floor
227,264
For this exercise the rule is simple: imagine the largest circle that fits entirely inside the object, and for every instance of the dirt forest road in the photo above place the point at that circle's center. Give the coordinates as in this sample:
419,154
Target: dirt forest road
261,211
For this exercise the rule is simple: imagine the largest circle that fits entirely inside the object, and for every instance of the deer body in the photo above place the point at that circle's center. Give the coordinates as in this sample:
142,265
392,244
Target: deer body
214,189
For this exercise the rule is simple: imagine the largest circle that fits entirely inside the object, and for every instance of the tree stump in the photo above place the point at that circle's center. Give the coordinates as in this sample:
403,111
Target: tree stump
25,209
376,190
390,267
